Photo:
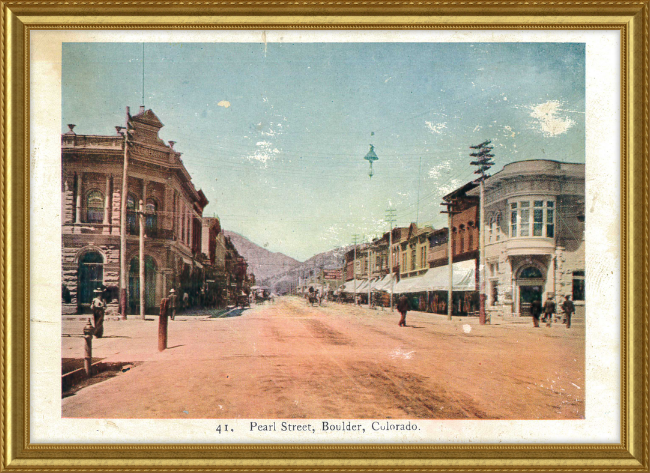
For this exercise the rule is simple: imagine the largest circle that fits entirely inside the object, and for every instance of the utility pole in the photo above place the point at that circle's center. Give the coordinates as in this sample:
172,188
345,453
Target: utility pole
141,257
451,209
369,266
483,163
125,193
355,238
390,218
417,215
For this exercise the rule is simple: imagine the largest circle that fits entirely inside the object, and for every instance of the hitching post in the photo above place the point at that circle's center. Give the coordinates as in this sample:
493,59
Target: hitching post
162,325
89,330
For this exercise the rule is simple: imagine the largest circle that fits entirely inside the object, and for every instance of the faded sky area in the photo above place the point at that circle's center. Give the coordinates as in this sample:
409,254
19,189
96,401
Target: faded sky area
275,134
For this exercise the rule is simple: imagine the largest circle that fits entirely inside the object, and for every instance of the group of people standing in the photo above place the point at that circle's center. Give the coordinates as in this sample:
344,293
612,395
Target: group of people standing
548,309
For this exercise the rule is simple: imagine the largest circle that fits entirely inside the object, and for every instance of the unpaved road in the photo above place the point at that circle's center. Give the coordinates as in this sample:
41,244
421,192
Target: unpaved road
289,360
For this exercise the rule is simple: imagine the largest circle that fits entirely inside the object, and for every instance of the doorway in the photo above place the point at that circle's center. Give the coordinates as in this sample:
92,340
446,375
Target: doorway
527,294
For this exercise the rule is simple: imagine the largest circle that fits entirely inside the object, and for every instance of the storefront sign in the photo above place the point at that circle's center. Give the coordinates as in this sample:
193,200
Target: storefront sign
332,274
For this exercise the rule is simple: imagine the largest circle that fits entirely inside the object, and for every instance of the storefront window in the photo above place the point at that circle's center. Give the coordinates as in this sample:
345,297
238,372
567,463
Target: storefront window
578,285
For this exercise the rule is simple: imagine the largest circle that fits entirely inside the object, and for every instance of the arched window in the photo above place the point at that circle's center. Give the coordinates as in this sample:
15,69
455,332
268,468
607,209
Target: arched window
470,236
91,276
151,224
461,230
454,241
497,224
531,272
132,226
94,207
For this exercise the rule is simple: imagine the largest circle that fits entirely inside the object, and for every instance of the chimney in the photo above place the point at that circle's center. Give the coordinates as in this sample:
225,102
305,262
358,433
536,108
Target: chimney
141,109
171,144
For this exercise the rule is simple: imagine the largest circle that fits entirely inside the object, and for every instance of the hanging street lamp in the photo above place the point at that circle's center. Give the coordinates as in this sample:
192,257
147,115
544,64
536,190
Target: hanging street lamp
370,157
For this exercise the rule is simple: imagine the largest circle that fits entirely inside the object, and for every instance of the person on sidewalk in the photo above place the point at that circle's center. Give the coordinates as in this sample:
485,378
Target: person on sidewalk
535,311
568,308
549,309
186,300
402,307
98,306
172,303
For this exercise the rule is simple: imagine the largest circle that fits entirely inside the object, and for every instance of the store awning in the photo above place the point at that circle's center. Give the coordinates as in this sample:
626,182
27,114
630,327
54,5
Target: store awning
383,284
363,287
349,286
437,279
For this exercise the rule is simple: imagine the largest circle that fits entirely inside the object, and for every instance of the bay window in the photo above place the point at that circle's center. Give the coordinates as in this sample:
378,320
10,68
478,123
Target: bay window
532,218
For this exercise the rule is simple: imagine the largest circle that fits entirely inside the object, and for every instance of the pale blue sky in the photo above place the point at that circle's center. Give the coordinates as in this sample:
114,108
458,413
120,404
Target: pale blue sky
283,163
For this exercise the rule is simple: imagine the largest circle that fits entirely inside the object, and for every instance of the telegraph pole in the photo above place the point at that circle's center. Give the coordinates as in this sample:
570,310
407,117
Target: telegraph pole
125,192
483,163
417,216
451,210
141,258
369,266
355,238
390,218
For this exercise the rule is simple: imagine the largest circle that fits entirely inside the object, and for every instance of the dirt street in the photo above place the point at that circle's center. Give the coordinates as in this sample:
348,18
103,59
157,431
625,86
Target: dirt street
289,360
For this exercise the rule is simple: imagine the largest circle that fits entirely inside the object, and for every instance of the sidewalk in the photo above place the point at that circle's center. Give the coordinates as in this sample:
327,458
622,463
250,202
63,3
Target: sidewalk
471,320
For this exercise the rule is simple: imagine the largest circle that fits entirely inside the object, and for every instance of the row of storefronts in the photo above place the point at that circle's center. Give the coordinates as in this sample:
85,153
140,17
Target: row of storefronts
534,246
183,249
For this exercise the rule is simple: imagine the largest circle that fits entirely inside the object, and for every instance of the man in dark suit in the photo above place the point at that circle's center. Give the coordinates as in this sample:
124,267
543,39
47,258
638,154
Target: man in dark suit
535,311
549,309
402,307
568,308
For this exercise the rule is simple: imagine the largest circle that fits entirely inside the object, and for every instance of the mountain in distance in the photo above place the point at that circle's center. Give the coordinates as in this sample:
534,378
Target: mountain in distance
286,281
261,262
279,271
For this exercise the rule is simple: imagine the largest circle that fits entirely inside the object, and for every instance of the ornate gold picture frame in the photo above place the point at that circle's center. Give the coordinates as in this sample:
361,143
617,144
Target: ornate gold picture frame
20,19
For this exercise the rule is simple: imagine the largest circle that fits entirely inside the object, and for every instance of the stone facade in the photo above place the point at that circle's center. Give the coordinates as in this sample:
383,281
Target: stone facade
534,235
91,198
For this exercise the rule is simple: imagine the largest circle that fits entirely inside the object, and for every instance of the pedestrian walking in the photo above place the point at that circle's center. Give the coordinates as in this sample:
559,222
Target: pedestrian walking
402,307
186,300
568,308
535,311
98,307
549,310
172,303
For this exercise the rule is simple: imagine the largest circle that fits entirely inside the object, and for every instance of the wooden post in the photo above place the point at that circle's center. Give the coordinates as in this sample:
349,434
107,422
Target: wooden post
141,260
89,330
481,267
450,263
162,325
123,197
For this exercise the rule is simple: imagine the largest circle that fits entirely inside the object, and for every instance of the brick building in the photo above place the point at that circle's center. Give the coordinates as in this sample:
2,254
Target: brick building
413,248
91,193
464,229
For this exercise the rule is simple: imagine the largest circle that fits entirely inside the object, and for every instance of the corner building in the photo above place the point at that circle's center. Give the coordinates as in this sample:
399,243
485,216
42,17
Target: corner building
91,196
534,235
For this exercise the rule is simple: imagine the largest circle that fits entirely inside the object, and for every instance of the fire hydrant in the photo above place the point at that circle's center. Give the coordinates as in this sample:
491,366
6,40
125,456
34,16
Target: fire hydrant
89,330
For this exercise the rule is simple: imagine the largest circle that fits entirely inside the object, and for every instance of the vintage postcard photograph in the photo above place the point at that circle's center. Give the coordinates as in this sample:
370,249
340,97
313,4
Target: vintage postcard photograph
325,240
313,230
